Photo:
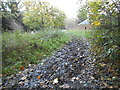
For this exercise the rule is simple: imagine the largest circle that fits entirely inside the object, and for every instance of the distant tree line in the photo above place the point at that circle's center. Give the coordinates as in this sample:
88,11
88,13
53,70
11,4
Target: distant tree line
34,16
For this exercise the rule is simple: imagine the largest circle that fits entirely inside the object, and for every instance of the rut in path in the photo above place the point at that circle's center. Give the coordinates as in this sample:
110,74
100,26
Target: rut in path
70,67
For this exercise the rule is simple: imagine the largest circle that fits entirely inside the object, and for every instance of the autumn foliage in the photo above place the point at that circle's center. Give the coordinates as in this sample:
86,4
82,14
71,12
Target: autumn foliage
41,15
104,16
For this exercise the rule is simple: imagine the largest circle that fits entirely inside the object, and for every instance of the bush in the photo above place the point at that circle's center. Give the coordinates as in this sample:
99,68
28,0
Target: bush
105,39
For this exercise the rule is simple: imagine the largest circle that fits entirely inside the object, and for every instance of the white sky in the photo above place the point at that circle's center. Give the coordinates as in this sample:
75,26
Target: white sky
70,7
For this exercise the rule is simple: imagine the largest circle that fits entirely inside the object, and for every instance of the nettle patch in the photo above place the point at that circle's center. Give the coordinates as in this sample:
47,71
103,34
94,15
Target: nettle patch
20,50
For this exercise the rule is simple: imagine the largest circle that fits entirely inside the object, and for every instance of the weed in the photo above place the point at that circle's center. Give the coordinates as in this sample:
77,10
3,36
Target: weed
21,49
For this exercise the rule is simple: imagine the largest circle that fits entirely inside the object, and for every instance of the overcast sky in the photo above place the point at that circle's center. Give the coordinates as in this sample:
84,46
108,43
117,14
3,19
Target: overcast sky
70,7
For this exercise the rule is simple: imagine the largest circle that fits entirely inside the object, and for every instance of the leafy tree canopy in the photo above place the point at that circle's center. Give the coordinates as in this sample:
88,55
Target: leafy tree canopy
40,15
10,11
82,13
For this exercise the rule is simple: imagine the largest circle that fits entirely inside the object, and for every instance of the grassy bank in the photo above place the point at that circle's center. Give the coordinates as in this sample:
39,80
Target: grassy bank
22,49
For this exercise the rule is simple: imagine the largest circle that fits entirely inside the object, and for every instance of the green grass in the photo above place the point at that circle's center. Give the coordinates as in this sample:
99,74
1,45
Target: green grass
22,49
80,33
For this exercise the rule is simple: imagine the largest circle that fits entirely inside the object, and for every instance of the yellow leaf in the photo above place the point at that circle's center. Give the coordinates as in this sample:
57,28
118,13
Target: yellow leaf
76,59
109,79
14,5
110,87
102,64
96,23
41,84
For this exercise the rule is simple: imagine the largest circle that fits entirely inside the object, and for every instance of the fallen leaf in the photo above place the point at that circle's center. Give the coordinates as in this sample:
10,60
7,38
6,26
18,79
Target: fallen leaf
30,65
23,78
38,77
102,64
42,83
92,77
22,68
110,87
21,83
42,63
113,77
76,59
26,70
64,86
81,56
102,78
74,78
109,79
20,72
77,78
105,83
55,81
31,70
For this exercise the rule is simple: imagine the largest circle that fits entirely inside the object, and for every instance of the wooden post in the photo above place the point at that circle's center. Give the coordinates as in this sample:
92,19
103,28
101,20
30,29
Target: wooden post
85,29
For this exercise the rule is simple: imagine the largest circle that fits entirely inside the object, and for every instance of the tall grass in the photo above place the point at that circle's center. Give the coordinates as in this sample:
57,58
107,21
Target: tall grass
21,49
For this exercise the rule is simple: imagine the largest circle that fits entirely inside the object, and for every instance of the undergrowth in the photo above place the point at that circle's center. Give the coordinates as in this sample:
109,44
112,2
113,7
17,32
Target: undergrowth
21,49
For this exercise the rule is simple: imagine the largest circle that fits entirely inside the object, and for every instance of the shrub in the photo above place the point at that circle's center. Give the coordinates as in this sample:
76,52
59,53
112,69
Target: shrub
105,39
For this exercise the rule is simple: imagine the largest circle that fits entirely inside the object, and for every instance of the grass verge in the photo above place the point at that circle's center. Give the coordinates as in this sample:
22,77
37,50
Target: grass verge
20,49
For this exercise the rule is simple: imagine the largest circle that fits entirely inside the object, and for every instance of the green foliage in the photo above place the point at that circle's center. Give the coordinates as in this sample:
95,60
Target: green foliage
104,16
9,11
41,15
21,49
106,44
107,33
80,33
82,14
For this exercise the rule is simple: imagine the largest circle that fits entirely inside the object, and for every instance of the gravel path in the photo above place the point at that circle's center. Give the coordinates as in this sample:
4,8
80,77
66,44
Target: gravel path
70,67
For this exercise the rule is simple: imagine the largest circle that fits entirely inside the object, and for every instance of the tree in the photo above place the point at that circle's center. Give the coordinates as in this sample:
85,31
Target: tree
104,16
106,13
41,15
58,17
82,13
10,11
